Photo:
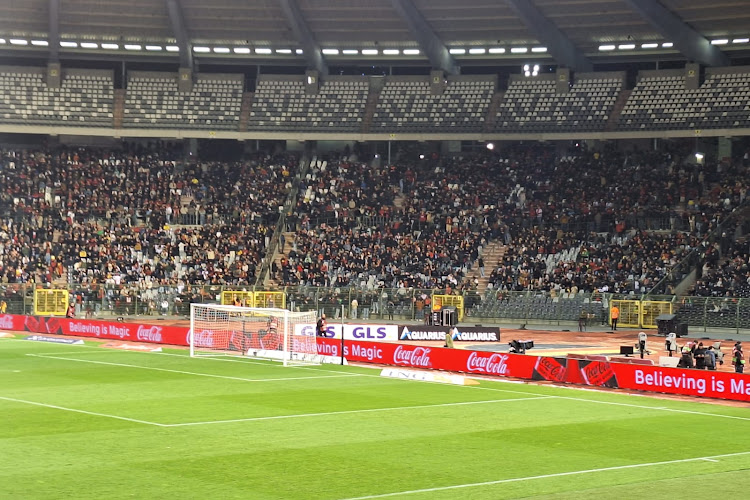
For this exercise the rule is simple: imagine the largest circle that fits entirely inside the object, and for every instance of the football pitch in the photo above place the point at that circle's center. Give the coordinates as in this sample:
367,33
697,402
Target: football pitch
82,421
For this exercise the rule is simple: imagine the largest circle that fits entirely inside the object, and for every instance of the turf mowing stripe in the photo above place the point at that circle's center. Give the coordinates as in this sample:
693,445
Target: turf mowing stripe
344,412
227,377
546,476
55,407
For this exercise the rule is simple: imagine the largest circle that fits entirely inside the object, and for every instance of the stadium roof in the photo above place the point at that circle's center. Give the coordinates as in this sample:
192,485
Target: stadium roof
443,32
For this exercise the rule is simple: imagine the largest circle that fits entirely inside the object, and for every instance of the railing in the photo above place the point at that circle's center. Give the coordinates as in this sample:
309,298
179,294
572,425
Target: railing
699,313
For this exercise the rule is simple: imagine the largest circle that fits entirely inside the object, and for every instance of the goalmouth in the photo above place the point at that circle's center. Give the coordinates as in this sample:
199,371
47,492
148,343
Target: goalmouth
269,333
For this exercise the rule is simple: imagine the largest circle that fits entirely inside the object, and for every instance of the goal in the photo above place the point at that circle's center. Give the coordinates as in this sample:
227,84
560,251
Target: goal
277,334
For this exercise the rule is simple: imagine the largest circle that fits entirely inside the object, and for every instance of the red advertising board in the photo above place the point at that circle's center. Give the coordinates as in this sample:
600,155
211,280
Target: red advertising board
436,358
133,332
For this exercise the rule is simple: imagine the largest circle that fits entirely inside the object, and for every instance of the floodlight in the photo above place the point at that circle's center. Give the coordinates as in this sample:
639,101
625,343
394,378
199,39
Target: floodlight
490,146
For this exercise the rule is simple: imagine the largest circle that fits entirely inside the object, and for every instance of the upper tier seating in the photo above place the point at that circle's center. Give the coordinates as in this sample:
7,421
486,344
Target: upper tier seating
81,100
663,102
155,102
409,106
532,105
338,106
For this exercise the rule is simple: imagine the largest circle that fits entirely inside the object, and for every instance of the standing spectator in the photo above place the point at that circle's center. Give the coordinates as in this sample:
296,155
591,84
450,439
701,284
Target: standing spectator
738,358
481,267
355,305
614,315
321,327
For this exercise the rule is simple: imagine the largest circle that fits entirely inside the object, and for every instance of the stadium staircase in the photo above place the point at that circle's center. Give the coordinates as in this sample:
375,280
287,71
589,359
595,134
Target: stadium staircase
372,103
491,118
245,107
614,117
118,107
492,254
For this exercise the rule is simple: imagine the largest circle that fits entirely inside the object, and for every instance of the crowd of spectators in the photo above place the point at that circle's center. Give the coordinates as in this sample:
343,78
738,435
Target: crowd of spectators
109,216
581,221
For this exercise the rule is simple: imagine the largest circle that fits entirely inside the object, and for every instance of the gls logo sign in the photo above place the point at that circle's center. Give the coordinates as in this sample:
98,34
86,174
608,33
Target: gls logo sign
370,333
353,332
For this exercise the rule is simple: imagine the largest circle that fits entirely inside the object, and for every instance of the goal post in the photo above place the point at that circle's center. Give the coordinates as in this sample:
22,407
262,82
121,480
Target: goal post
277,334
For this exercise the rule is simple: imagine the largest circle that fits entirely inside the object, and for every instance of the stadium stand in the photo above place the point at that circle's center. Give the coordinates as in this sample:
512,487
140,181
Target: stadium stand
661,101
407,104
535,105
281,103
84,98
154,101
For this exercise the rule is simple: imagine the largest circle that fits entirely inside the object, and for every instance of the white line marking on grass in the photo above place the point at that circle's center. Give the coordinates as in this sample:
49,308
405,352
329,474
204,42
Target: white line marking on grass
709,459
546,476
183,372
93,413
344,412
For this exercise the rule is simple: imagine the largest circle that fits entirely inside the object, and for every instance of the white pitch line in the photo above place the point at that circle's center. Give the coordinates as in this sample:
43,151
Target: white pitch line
93,413
183,372
344,412
545,476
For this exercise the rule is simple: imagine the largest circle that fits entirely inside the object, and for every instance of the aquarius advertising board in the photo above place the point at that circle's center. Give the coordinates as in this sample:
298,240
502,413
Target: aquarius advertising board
460,333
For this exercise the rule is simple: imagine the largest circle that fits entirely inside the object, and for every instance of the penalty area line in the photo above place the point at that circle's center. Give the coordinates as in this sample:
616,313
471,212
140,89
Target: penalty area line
346,412
85,412
197,374
547,476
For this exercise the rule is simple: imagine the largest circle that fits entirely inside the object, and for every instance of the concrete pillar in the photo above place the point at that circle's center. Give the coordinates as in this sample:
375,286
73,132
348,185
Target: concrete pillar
54,75
725,149
185,80
438,83
563,81
692,76
312,82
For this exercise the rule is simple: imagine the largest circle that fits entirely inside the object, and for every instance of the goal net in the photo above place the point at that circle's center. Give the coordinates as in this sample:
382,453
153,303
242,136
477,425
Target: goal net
277,334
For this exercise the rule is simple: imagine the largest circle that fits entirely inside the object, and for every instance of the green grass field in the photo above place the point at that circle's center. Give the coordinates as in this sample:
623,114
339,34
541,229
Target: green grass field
88,422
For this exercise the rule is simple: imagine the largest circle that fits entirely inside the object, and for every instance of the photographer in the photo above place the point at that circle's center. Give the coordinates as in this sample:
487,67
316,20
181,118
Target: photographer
738,358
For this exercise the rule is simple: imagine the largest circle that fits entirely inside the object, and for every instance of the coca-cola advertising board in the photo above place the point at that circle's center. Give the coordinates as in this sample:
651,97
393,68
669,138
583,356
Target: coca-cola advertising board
437,358
133,332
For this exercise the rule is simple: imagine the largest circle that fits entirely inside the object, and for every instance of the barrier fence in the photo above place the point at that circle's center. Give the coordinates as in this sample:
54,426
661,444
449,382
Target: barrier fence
591,309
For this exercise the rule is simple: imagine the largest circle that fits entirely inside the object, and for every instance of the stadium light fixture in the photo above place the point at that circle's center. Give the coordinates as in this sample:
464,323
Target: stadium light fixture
221,50
299,51
241,50
519,50
172,48
699,157
539,50
626,46
369,52
2,40
89,45
741,40
411,52
457,52
421,157
605,48
350,52
526,67
391,52
18,41
152,48
283,51
132,46
40,43
66,44
201,50
497,50
490,146
263,50
720,41
477,51
649,45
330,52
667,45
527,73
112,46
